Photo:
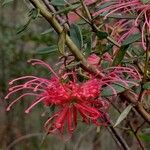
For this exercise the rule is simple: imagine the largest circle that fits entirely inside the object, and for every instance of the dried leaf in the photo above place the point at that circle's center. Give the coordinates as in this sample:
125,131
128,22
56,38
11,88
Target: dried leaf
123,115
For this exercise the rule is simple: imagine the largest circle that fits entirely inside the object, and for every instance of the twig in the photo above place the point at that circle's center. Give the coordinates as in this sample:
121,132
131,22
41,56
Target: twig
118,138
80,139
136,136
132,129
23,138
52,9
86,10
137,129
128,95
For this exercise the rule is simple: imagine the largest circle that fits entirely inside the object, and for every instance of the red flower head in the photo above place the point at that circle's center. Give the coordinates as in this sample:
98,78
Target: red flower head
70,98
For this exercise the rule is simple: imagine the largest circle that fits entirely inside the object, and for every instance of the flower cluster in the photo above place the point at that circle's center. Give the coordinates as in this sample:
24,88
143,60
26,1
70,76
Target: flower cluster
71,98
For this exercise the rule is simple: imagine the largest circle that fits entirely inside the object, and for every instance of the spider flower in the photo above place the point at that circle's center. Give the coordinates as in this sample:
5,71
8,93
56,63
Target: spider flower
140,8
70,99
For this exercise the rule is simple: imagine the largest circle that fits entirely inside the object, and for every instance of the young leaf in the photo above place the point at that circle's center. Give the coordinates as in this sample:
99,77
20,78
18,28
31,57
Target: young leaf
76,35
123,115
119,57
131,39
61,42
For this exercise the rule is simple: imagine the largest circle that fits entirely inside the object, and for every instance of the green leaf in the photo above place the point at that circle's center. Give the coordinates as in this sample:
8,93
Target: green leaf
107,91
88,49
34,13
144,137
47,50
131,39
146,130
123,115
61,42
73,65
107,48
76,35
67,9
145,1
105,5
6,2
119,57
47,31
102,35
58,2
23,27
146,86
119,87
119,16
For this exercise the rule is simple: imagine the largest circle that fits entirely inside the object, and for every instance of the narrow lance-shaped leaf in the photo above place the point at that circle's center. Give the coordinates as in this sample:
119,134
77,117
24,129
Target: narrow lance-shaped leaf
117,86
120,55
61,41
88,49
123,115
58,2
76,35
6,2
131,39
23,27
67,9
48,50
102,35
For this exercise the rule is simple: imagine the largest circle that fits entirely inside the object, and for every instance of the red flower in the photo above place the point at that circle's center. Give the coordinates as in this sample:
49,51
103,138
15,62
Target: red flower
70,98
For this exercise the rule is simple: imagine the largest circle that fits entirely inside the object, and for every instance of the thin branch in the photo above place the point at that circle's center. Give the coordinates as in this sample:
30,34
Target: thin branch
136,136
23,138
118,138
86,10
52,9
130,97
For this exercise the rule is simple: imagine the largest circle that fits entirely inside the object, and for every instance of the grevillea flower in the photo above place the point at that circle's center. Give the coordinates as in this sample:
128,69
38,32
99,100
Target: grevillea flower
140,8
70,98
